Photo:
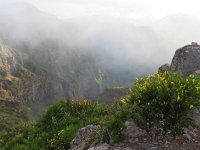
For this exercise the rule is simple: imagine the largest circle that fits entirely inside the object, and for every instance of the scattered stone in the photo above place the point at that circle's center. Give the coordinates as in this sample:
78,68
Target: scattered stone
187,137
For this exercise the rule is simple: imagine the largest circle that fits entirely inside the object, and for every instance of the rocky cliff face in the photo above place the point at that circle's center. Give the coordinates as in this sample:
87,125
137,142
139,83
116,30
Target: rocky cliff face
19,83
10,71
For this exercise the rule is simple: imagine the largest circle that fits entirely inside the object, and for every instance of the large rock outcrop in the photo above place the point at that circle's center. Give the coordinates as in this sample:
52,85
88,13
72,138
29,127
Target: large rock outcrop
187,59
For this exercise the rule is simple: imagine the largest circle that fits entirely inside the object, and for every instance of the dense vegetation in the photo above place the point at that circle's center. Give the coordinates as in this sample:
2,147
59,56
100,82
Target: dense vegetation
161,101
12,114
56,128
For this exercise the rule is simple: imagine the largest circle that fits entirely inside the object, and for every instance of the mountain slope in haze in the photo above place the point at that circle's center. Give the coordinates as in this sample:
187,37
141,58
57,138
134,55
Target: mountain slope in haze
65,51
19,83
79,58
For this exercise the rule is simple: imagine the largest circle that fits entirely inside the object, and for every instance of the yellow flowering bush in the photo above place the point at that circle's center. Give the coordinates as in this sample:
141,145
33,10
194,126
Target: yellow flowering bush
163,100
63,119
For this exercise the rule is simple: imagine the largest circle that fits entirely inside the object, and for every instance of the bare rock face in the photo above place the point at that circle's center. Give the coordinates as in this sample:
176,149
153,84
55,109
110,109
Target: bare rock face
187,60
84,138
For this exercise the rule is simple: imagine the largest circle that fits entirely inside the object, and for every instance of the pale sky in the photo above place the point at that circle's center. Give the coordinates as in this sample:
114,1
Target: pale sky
135,9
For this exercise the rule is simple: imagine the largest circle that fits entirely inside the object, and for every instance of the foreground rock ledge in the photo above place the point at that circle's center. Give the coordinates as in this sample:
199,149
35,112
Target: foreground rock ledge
138,139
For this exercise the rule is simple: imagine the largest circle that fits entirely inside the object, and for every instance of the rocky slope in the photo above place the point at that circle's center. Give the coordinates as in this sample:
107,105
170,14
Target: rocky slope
10,71
19,83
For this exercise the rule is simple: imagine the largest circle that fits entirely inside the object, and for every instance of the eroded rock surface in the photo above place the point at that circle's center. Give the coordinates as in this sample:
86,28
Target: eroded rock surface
132,132
18,81
84,138
187,59
163,68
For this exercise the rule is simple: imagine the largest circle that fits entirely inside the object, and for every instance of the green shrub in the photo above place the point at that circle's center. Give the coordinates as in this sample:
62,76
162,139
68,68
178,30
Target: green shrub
163,100
11,115
57,127
24,113
116,123
20,147
63,119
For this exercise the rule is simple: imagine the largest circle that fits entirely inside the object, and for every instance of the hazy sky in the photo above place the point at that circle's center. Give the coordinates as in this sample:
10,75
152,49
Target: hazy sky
114,35
120,8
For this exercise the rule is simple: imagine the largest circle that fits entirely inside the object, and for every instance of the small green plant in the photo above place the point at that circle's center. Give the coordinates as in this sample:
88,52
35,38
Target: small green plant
24,113
163,100
117,123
